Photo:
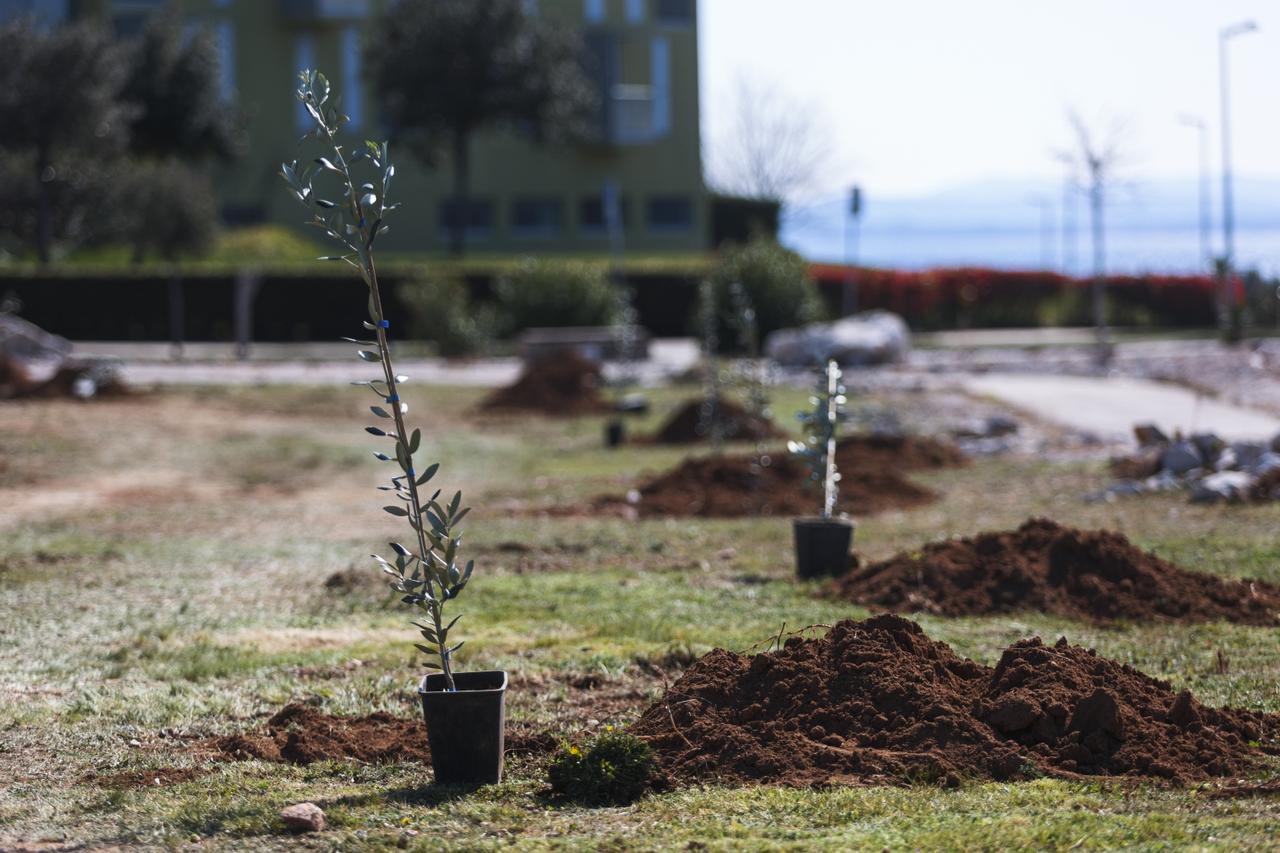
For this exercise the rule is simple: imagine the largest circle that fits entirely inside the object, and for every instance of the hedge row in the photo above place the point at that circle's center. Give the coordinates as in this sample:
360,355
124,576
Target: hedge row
985,298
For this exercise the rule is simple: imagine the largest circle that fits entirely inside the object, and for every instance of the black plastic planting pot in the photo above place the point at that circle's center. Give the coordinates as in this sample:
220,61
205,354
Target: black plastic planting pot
822,546
614,433
465,727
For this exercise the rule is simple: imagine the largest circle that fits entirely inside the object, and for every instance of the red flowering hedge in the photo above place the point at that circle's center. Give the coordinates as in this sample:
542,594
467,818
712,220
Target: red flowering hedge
985,298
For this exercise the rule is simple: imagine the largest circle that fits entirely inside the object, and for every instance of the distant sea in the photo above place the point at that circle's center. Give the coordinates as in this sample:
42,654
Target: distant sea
1154,230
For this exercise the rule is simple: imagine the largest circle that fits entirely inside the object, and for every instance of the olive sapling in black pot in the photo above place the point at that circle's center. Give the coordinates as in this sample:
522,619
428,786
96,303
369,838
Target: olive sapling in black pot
464,711
822,542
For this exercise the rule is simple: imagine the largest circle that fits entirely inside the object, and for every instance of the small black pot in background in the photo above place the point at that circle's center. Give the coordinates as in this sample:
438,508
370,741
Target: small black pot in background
465,727
615,432
822,546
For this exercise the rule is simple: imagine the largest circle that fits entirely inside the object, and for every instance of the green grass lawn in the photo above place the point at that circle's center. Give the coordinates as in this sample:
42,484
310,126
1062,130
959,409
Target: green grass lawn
162,579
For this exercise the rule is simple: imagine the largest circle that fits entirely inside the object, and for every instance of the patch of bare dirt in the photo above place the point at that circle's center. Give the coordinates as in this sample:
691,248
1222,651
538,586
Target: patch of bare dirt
156,777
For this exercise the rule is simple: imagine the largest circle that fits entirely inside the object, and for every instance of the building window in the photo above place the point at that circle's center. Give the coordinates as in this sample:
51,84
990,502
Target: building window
478,221
675,12
304,59
537,217
594,10
593,217
660,59
670,213
225,39
635,10
129,17
44,12
352,94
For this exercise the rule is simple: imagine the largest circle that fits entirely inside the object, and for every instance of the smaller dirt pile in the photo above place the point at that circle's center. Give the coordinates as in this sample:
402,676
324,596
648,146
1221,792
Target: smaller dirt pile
692,423
897,452
1096,576
736,486
878,701
561,383
299,734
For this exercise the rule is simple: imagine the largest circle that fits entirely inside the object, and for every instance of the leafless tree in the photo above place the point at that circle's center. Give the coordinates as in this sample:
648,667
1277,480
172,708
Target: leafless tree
1096,157
775,146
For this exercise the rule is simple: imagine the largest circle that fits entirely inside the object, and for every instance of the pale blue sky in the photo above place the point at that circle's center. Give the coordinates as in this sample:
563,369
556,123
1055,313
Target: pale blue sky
928,94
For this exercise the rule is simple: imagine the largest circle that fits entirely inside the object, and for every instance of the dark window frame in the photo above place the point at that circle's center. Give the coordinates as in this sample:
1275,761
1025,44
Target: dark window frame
654,206
481,219
537,230
600,228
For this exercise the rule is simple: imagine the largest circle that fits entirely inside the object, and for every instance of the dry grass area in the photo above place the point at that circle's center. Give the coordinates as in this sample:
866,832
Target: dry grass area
180,565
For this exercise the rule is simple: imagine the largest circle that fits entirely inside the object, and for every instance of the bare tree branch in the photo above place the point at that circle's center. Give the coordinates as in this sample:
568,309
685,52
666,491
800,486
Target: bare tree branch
776,147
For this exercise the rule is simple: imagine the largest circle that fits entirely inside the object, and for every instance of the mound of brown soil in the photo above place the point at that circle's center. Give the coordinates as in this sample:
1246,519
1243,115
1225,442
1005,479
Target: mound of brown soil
558,383
878,701
733,486
898,452
1091,575
299,734
689,425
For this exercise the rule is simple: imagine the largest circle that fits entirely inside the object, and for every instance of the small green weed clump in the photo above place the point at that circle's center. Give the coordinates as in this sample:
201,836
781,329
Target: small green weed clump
613,768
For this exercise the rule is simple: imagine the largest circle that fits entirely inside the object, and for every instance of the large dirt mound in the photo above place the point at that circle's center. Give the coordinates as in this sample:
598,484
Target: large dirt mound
300,734
733,486
878,701
558,383
1042,566
690,424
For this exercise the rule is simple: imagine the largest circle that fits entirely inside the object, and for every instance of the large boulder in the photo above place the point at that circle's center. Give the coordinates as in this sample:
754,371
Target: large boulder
873,337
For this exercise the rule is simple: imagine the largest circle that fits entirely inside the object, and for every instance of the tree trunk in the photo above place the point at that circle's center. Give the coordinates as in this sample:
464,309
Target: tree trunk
461,194
1099,273
44,208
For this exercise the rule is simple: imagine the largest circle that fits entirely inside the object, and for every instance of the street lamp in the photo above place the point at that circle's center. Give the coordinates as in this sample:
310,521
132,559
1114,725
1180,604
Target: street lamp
1202,127
853,218
1229,315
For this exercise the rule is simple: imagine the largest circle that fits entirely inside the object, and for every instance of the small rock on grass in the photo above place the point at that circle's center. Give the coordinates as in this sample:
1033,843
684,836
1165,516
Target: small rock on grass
303,817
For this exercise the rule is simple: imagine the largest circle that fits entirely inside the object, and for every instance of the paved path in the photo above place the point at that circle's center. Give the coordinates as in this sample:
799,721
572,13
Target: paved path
1110,406
146,364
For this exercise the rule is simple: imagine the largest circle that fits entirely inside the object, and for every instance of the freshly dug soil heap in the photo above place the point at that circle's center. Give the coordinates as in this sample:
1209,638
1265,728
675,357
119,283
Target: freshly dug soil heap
878,701
688,425
1042,566
898,452
558,383
736,486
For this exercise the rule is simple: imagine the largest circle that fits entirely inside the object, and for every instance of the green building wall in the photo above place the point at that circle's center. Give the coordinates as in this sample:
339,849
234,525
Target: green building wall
656,164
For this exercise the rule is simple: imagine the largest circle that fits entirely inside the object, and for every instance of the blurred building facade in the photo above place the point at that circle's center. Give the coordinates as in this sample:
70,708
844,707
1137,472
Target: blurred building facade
525,197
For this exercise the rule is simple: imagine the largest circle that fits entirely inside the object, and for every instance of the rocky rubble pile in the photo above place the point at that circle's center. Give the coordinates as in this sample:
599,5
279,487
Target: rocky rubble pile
1209,469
